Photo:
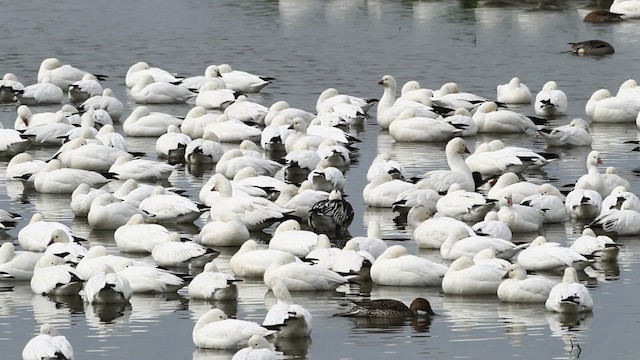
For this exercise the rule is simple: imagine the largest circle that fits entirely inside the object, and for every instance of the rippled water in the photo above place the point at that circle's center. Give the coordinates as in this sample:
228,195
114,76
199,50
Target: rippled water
348,44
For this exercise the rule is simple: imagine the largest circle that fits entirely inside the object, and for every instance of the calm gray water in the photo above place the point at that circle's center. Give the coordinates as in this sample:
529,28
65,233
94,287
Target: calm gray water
347,44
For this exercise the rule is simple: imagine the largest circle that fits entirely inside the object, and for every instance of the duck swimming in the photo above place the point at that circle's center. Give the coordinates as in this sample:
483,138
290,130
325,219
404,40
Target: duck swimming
591,47
387,308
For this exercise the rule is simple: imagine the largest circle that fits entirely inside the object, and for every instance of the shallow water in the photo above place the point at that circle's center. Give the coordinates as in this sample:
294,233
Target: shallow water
309,46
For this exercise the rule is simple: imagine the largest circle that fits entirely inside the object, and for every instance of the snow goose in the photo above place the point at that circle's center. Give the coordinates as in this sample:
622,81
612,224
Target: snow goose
464,205
83,89
9,86
492,120
583,203
209,195
61,75
331,216
396,267
196,120
520,218
591,246
330,97
211,74
372,243
509,185
431,233
242,81
11,218
13,143
258,349
213,97
459,172
109,137
569,296
300,276
388,308
387,111
170,207
612,180
466,278
175,253
383,163
492,226
172,144
412,92
227,230
49,344
629,88
287,113
246,111
333,154
548,256
514,92
327,179
54,179
349,260
36,235
137,237
421,195
602,107
289,237
52,133
300,200
97,255
106,102
62,246
623,222
300,134
617,196
550,101
51,276
214,330
526,159
148,91
488,256
630,9
295,318
255,212
408,126
132,192
576,133
204,150
232,131
461,119
518,287
458,243
141,169
16,265
383,190
107,287
593,180
109,213
252,260
234,160
550,201
81,154
140,69
26,118
212,284
148,279
40,94
301,160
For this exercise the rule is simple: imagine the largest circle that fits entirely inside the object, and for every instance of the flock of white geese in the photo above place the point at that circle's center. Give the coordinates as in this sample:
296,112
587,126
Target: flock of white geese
468,211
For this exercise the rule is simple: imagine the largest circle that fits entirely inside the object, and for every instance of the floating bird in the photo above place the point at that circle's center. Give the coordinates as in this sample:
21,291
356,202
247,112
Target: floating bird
591,47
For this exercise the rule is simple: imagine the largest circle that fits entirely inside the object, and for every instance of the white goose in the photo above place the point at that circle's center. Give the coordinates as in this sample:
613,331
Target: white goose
373,242
141,68
212,284
83,89
520,218
227,230
289,237
464,205
252,260
234,160
464,277
214,330
601,247
204,150
21,165
629,9
623,222
51,276
576,133
459,172
246,111
408,126
327,179
583,203
548,256
63,246
148,279
458,243
211,74
384,164
137,237
16,265
9,86
107,287
300,200
602,107
13,143
109,137
172,144
550,201
569,296
612,180
492,226
295,318
383,190
431,233
492,120
232,131
109,213
62,75
282,108
142,122
300,276
258,349
196,120
148,91
40,94
170,207
36,235
396,267
617,196
514,92
89,156
49,344
141,169
175,253
509,185
98,256
107,102
387,112
242,81
550,101
518,287
213,97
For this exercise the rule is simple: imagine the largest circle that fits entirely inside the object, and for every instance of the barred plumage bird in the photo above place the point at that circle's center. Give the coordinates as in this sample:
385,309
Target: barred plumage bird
331,216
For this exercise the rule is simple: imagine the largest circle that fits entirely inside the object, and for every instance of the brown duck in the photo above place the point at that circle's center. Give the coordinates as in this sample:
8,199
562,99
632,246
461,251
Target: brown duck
387,308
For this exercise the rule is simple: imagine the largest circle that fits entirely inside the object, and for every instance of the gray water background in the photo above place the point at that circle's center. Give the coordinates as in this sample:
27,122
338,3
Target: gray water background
309,46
